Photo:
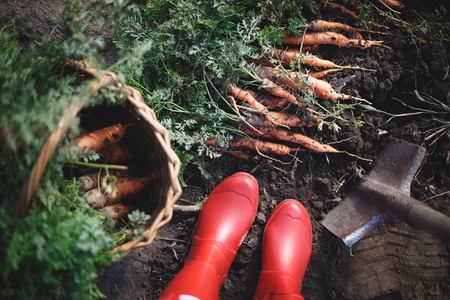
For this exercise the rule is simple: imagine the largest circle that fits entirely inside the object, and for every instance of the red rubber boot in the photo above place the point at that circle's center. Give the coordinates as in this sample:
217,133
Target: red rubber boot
222,225
286,249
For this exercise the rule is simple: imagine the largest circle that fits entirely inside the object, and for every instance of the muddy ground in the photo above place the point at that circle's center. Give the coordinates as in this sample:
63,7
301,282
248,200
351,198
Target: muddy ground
394,261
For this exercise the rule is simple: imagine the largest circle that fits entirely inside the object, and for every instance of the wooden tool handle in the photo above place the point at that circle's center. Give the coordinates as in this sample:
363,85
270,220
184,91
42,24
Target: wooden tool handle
424,217
406,208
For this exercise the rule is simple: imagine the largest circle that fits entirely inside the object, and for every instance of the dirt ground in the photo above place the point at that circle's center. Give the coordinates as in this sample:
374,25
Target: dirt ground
394,261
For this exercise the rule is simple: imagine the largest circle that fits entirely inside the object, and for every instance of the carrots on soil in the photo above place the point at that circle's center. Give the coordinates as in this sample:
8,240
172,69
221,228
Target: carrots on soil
328,38
300,82
290,120
287,56
323,73
293,137
262,146
393,3
278,91
248,98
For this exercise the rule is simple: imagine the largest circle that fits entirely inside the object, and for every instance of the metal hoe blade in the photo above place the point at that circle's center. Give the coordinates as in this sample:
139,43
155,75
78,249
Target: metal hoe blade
356,215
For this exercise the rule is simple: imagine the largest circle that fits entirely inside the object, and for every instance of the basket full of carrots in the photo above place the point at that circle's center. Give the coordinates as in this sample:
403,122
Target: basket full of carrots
132,166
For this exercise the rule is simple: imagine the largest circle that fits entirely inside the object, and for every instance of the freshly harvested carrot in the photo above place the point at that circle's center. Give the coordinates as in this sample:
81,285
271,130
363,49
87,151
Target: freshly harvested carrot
274,102
290,120
293,137
393,3
248,98
237,154
116,211
101,138
350,13
262,146
116,154
342,8
287,56
323,73
125,187
329,38
89,181
278,91
296,81
328,25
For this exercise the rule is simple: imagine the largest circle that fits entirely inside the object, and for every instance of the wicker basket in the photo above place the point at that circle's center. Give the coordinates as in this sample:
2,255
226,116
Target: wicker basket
154,139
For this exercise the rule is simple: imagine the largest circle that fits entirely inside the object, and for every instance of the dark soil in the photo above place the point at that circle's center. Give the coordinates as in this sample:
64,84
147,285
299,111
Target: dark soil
394,261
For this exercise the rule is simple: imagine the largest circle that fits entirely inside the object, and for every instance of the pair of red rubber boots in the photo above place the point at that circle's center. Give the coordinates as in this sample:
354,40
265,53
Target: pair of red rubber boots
223,224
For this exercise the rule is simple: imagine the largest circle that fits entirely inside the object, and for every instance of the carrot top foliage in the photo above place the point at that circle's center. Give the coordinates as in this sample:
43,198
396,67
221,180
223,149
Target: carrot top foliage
193,49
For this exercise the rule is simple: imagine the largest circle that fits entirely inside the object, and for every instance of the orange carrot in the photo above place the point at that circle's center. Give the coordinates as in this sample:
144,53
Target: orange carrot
296,81
101,138
274,102
293,137
89,181
262,146
278,91
116,211
329,38
237,154
393,3
317,25
116,154
248,98
323,73
342,8
290,120
306,58
125,187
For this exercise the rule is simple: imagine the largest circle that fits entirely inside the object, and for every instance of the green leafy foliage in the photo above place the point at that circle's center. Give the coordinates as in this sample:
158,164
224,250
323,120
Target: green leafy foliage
58,248
193,50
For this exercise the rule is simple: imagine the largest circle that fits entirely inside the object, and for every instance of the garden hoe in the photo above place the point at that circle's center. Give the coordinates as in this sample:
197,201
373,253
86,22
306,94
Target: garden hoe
384,194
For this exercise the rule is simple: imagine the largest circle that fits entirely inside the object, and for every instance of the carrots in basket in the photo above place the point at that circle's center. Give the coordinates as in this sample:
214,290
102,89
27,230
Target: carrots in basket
116,211
125,187
101,138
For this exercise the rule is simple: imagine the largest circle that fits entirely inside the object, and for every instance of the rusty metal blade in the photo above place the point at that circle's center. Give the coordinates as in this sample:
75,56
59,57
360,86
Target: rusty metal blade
396,166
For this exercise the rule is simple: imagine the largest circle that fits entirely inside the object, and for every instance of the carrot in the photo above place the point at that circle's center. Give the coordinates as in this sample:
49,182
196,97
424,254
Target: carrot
237,154
116,154
248,98
125,187
290,120
116,211
278,91
293,137
393,3
296,81
329,38
274,102
294,54
317,25
89,181
323,73
262,146
101,138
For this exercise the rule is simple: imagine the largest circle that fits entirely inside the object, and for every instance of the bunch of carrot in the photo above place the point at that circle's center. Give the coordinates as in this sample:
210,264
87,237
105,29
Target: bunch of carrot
106,191
269,129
